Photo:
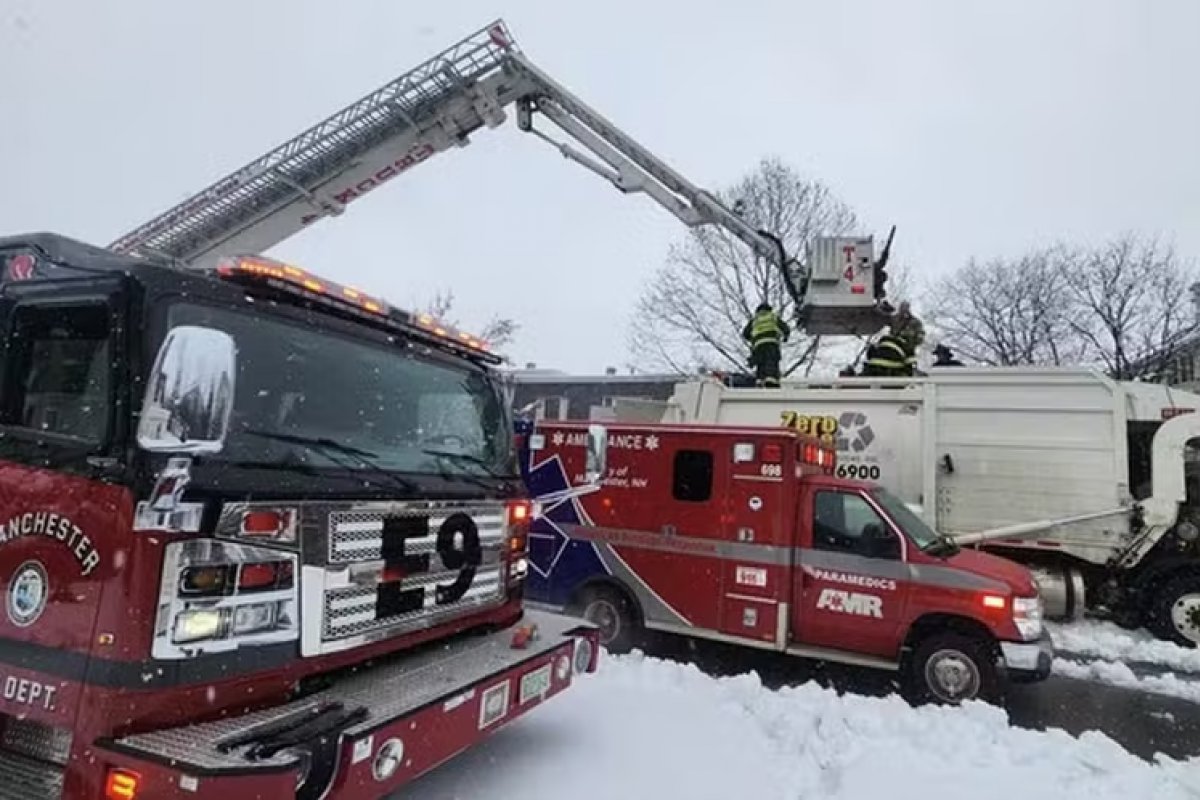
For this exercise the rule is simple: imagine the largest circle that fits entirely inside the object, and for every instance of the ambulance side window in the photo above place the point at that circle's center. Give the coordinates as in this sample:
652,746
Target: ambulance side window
59,371
847,523
692,478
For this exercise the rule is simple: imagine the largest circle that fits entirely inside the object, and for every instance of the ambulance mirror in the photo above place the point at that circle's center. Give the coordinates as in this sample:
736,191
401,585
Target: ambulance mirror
189,395
597,453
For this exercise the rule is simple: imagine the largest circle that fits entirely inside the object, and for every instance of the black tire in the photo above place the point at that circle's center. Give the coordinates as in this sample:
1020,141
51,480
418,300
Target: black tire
613,612
951,668
1174,612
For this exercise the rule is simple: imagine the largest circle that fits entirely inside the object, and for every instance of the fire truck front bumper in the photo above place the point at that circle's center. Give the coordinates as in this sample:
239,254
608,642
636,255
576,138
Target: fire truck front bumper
373,731
1026,662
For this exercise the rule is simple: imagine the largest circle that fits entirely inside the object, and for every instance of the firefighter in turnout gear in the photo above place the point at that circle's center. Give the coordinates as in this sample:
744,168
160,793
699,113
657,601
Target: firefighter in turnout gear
908,330
766,333
895,354
943,356
887,358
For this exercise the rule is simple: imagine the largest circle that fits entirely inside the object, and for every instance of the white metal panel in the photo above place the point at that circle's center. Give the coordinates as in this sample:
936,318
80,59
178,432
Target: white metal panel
1027,449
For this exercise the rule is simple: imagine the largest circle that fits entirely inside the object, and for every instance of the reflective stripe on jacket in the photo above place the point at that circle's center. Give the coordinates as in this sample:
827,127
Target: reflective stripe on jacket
891,353
765,328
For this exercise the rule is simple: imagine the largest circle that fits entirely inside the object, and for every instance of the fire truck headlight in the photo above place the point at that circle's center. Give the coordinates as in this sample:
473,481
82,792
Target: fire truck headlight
1027,616
254,617
192,626
219,597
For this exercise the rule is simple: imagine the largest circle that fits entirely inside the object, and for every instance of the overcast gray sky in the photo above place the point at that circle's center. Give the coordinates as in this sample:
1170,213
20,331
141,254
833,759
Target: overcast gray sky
978,128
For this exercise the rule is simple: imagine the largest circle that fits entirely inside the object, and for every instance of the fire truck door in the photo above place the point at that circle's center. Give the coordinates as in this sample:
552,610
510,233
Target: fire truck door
757,550
853,581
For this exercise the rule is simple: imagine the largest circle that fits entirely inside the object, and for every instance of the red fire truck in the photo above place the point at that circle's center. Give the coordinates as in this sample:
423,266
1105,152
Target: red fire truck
744,535
261,535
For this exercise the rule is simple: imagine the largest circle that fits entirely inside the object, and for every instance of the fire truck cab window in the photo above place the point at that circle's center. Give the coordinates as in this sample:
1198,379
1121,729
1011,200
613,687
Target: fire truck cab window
693,476
61,372
847,523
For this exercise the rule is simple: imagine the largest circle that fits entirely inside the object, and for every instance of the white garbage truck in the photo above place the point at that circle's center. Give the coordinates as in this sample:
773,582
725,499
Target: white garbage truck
1088,481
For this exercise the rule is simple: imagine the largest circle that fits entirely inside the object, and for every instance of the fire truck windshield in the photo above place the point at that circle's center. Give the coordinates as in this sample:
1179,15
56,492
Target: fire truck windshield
404,410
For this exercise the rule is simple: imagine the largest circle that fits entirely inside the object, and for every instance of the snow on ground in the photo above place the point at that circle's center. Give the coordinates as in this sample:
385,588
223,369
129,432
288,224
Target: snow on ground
1111,642
1118,674
646,728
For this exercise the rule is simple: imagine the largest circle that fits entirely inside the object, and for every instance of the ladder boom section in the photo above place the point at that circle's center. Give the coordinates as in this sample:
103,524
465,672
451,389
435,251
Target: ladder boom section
693,205
431,108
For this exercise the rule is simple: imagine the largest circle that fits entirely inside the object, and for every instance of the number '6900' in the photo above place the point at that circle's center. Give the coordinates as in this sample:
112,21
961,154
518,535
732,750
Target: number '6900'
859,472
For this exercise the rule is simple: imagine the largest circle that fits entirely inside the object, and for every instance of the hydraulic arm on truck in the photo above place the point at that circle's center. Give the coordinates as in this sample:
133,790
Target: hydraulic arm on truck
436,107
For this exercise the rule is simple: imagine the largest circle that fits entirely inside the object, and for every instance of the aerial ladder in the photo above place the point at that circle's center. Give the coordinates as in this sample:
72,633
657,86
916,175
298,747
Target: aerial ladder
839,289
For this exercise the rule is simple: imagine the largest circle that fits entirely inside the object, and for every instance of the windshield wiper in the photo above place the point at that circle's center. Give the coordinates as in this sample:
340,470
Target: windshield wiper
469,459
326,446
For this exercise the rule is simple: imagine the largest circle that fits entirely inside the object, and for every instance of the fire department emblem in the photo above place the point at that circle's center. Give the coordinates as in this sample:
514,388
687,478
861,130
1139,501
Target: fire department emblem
27,594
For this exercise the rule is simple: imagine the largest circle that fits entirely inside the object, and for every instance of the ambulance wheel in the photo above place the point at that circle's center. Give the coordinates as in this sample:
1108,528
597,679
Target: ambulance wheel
1175,611
613,613
950,668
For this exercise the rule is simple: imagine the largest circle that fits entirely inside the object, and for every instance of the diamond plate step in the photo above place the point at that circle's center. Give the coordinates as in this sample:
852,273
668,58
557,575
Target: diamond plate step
23,778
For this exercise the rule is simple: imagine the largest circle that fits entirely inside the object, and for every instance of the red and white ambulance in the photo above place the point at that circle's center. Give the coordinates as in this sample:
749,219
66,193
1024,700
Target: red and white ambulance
744,535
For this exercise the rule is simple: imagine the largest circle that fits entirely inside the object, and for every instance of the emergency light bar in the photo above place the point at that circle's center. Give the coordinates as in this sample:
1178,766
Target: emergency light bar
293,280
446,332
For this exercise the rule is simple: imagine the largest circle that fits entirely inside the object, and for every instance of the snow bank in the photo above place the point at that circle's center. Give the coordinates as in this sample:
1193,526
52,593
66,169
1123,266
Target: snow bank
1117,674
1112,643
645,728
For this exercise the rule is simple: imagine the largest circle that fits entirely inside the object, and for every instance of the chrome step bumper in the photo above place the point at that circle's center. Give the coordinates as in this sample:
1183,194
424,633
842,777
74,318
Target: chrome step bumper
389,691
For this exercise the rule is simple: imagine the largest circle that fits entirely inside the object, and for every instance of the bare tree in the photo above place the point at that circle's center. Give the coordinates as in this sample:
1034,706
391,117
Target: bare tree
499,332
692,313
1133,301
1009,312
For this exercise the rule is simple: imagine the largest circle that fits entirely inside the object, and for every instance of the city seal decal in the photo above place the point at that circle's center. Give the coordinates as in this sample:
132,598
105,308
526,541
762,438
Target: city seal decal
27,594
53,526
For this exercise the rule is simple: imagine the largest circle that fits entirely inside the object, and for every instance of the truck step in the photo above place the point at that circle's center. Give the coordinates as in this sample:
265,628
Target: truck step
23,778
388,691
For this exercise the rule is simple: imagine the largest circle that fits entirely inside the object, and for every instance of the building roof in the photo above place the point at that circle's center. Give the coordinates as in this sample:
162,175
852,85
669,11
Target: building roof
556,377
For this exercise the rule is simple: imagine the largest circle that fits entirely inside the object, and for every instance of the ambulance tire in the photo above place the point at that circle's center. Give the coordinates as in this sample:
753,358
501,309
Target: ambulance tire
950,668
615,614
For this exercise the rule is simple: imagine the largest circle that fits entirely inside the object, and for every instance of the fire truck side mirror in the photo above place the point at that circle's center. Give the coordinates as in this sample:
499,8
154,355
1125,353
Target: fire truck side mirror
189,395
597,453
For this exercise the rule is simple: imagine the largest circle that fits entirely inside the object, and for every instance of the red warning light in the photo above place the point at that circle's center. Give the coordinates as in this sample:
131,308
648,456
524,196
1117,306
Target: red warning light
21,267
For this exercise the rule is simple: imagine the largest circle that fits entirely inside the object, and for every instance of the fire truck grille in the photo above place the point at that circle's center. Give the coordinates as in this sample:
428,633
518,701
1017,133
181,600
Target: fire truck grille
354,611
399,568
358,535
